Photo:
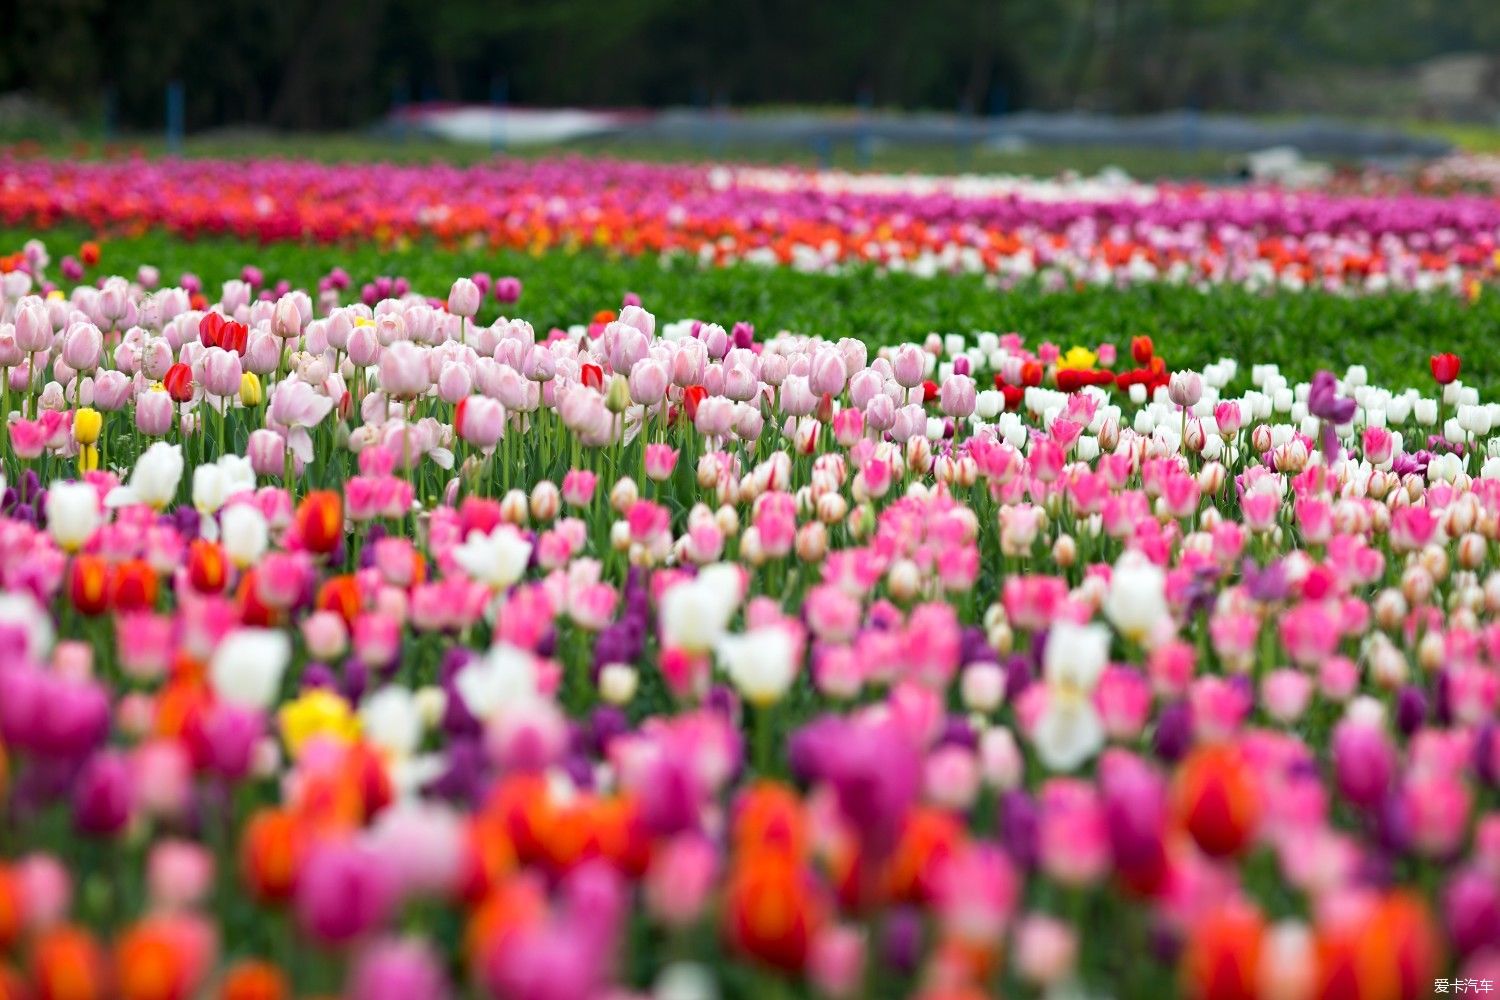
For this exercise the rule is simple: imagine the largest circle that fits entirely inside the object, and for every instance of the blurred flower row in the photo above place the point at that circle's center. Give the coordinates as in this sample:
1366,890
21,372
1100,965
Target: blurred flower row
369,649
1058,234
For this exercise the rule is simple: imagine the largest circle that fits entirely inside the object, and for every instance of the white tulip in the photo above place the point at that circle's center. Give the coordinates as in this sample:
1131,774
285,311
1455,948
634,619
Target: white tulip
506,676
1069,731
392,720
498,559
248,664
19,610
762,664
72,514
213,485
1136,603
154,479
244,533
696,612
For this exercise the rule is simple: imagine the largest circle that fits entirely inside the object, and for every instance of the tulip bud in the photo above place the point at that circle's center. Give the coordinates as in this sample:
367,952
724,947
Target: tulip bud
1417,585
514,507
623,495
982,686
1434,559
618,683
546,501
617,399
812,542
903,580
1390,609
1472,550
1431,650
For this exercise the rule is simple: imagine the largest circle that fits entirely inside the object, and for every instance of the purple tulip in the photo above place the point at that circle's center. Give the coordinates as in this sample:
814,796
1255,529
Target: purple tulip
102,795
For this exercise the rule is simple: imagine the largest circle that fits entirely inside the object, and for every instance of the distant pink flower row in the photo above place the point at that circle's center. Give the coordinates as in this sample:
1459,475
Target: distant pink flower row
1062,232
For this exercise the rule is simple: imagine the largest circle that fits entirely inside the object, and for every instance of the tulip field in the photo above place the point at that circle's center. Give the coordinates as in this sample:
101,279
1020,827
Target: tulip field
586,581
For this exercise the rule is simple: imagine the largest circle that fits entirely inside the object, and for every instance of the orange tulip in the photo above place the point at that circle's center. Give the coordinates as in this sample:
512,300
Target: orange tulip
514,904
271,852
1390,952
12,909
527,813
66,964
208,568
319,521
1221,959
769,818
180,706
929,838
254,980
488,856
341,594
770,910
88,584
149,966
1217,800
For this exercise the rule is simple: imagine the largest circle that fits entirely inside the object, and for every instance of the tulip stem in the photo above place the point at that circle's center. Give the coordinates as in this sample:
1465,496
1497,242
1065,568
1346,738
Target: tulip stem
763,730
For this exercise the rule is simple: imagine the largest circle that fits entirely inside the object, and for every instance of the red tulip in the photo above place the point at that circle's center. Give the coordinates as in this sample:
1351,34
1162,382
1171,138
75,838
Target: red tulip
179,382
234,337
691,397
1141,349
1445,367
209,327
132,586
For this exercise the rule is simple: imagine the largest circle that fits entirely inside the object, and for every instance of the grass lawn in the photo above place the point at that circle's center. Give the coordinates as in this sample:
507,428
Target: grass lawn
1392,335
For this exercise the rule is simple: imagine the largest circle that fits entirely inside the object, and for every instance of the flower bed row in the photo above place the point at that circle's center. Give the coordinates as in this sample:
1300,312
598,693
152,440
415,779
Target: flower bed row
1058,233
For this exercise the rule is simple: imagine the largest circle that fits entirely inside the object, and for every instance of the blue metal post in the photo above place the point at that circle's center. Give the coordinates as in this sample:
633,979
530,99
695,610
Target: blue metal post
175,117
864,143
400,97
111,112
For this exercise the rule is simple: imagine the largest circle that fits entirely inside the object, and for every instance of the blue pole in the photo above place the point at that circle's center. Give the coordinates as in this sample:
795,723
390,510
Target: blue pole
399,98
865,143
175,117
720,128
111,112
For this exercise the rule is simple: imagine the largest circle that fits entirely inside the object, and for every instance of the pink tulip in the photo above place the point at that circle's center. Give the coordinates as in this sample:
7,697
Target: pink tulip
661,459
82,346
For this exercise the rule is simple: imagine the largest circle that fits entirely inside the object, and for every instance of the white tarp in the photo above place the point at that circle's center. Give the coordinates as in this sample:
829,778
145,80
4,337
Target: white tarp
511,126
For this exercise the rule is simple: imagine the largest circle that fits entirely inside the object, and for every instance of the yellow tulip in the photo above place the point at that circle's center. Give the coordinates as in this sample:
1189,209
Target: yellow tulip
317,712
251,394
1077,358
87,423
88,459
